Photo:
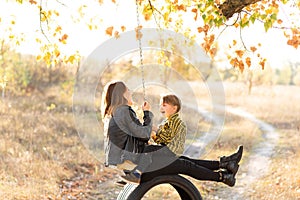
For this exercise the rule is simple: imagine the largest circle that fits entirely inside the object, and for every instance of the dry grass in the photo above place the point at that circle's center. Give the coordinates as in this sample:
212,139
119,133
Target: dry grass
42,157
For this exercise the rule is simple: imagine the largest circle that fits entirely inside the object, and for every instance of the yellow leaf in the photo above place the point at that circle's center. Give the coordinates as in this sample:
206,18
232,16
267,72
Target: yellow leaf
71,59
56,52
253,49
147,16
116,34
241,66
234,42
63,39
58,29
166,16
200,29
138,34
32,2
269,11
123,28
195,10
248,61
181,7
279,21
168,63
240,53
109,30
234,62
262,64
213,51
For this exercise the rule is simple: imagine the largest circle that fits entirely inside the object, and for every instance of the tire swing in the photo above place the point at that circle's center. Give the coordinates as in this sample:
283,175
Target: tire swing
185,188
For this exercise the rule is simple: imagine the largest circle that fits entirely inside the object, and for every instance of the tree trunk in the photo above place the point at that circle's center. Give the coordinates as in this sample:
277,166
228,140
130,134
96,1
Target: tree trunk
230,7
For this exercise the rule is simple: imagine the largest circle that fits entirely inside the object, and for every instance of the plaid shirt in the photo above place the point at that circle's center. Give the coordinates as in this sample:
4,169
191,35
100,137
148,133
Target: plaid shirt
172,133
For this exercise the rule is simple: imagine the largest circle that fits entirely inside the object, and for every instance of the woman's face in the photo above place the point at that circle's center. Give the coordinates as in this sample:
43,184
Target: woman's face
128,96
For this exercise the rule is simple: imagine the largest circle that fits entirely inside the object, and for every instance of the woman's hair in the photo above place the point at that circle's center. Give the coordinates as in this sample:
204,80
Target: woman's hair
114,97
172,99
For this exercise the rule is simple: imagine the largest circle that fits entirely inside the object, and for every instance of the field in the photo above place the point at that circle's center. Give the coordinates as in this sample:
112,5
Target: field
42,157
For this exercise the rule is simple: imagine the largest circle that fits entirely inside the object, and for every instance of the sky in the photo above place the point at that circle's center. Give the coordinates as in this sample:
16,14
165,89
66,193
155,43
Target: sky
26,19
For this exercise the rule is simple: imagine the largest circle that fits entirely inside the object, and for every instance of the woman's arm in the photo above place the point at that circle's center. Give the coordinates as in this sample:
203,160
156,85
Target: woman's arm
127,121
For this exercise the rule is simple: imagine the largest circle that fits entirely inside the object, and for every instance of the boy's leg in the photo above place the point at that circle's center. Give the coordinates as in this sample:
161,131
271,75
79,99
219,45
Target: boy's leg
209,164
187,167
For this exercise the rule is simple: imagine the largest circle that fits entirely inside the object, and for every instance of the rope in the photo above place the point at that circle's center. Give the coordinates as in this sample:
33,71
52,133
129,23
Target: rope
139,37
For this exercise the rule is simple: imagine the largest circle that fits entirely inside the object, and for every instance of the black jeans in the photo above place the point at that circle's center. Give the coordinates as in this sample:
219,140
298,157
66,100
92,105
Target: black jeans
172,165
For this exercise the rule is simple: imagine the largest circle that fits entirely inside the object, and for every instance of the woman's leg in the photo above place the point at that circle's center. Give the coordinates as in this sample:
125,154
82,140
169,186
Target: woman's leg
186,167
145,159
209,164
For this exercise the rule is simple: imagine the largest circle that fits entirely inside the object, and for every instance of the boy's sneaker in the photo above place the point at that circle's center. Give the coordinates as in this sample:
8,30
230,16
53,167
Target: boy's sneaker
132,177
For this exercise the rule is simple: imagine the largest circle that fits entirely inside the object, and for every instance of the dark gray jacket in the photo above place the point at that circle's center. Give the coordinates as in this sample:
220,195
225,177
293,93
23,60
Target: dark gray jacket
125,129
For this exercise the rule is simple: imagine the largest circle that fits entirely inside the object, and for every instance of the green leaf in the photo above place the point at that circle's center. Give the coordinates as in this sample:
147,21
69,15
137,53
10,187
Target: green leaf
218,21
273,16
245,24
252,18
268,24
264,16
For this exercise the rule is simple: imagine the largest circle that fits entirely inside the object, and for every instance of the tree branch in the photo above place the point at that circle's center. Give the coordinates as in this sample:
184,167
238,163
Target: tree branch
43,14
230,7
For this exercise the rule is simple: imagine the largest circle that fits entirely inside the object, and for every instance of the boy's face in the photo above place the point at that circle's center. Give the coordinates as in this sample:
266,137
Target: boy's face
167,109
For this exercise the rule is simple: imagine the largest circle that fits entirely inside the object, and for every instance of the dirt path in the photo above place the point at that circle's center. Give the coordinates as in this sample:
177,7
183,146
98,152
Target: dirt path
256,166
257,163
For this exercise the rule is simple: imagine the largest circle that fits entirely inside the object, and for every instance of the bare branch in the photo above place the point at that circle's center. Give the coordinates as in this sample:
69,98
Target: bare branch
43,14
153,9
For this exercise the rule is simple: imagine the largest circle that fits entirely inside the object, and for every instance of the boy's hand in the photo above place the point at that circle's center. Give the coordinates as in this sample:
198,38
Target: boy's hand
153,135
154,128
146,106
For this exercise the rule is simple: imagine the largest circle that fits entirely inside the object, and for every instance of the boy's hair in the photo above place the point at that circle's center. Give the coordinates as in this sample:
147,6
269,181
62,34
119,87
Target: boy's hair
172,99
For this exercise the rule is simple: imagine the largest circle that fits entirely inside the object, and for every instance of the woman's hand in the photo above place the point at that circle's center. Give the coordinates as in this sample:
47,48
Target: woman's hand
146,106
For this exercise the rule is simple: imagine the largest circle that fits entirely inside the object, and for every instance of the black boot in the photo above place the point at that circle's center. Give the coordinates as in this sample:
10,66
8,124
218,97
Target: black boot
234,157
231,162
231,166
227,178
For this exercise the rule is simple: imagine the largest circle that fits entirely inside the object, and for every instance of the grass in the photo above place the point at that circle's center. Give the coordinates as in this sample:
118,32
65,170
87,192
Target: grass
42,157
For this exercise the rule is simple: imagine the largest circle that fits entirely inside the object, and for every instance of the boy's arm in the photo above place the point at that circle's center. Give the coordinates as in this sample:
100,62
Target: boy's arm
166,133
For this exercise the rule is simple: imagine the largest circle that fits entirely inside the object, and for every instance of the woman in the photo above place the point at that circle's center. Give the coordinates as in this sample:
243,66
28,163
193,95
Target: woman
124,125
126,135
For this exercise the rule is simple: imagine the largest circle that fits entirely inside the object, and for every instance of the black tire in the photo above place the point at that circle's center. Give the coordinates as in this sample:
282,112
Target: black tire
184,187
